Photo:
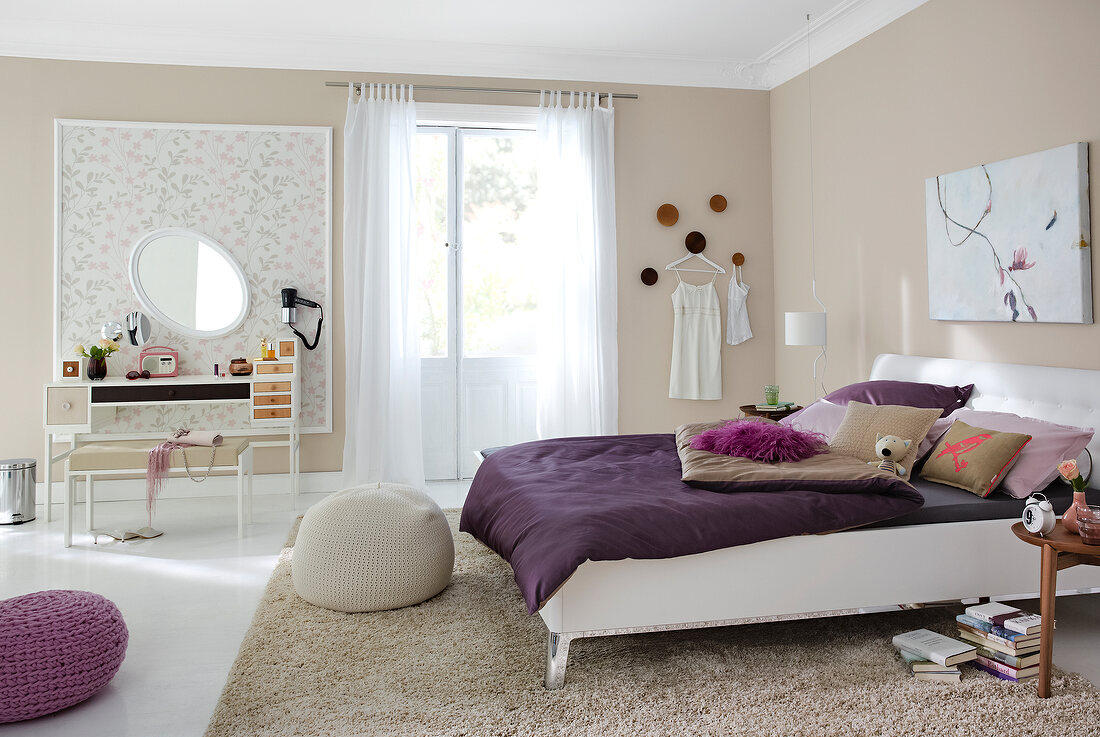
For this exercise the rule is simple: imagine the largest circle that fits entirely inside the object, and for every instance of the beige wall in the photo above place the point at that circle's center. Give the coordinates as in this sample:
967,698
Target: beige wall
674,144
952,84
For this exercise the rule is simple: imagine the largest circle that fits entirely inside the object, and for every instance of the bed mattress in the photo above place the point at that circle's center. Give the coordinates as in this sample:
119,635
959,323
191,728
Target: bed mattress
948,504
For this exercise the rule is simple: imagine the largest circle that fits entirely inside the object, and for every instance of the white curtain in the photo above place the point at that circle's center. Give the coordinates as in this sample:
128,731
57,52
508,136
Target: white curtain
382,440
578,350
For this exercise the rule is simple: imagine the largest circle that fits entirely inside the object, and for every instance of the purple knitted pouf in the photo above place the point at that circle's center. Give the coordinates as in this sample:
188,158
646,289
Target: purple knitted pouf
57,648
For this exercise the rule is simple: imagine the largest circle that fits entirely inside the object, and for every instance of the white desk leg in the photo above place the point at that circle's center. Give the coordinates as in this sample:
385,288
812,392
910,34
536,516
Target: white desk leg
48,475
240,496
89,500
69,485
251,476
295,460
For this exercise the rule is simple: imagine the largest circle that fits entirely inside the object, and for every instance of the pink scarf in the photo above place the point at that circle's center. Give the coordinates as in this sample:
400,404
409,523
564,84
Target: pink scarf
160,461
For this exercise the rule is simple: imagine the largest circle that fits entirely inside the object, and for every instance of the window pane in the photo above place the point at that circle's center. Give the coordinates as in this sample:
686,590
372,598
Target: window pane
429,252
499,262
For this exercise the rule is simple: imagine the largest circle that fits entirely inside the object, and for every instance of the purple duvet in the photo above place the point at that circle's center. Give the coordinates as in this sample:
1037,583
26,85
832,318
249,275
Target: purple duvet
548,506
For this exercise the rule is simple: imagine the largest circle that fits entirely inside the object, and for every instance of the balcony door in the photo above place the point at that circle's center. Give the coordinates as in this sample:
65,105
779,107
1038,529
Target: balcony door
476,290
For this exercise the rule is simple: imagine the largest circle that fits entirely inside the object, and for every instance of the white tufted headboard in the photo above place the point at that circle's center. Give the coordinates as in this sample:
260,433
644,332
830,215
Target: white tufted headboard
1062,395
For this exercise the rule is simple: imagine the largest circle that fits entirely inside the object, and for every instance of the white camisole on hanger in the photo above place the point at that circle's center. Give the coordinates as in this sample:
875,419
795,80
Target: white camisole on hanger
737,321
696,342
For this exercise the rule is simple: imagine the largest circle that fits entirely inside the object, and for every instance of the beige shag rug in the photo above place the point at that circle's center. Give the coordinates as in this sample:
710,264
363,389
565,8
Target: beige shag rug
469,662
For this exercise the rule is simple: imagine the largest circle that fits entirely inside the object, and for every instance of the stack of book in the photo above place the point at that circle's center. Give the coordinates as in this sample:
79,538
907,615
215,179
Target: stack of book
774,407
932,656
1006,638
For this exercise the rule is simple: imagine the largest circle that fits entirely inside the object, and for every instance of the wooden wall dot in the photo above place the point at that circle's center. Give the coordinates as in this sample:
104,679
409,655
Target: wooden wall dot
718,203
738,259
695,241
667,215
649,276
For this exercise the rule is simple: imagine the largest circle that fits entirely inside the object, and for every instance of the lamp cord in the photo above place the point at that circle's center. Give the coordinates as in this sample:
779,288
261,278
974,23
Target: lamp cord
813,242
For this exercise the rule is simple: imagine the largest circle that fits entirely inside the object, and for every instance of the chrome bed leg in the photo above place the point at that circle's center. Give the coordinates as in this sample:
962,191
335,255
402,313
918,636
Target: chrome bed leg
557,657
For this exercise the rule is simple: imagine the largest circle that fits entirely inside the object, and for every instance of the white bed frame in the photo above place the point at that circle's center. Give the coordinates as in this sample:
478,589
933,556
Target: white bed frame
842,573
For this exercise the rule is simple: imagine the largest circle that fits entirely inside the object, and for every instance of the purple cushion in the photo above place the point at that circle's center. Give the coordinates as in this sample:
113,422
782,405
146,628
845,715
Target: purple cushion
761,441
1037,465
905,393
57,648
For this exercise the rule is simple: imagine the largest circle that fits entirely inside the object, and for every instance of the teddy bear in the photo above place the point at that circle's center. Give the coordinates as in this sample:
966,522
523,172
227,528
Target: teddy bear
887,448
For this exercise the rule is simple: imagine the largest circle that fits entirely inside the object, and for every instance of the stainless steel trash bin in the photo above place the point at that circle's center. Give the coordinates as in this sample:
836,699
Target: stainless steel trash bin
16,491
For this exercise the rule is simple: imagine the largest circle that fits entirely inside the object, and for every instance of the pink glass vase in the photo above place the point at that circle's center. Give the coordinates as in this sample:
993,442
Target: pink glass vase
1078,508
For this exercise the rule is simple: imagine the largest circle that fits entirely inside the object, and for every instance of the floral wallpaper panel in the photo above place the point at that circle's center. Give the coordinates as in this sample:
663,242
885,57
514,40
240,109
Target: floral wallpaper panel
264,193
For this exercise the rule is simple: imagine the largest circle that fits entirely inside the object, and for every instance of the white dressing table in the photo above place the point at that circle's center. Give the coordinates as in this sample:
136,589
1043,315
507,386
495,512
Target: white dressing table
83,411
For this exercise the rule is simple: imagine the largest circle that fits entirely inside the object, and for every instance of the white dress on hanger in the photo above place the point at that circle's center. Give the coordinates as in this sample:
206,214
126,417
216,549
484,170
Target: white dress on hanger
737,321
696,342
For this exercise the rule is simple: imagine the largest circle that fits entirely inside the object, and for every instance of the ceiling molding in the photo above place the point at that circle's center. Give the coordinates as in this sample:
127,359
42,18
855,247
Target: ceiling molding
845,24
116,43
842,26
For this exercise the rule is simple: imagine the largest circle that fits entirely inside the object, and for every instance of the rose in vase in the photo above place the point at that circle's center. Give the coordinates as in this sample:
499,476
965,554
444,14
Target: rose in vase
97,357
1079,508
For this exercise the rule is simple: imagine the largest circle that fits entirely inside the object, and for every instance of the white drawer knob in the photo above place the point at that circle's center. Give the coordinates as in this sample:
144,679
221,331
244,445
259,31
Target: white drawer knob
66,405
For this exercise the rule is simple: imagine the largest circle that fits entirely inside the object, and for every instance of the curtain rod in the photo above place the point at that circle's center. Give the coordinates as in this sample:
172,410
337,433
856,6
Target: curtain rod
508,90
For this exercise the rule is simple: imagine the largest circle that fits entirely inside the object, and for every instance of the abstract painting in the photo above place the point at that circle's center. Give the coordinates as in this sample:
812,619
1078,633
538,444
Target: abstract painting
1009,241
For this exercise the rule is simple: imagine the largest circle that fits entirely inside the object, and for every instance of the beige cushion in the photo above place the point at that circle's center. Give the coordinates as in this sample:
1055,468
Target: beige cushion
127,454
862,424
973,458
375,547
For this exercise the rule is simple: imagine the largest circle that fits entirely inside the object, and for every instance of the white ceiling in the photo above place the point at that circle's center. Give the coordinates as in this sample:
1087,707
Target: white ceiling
754,44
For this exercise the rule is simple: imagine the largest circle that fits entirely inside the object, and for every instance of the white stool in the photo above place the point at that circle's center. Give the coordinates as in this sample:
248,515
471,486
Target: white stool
131,458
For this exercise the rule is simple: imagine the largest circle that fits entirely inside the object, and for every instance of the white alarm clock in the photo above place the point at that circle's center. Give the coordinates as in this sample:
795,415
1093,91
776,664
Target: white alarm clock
1038,515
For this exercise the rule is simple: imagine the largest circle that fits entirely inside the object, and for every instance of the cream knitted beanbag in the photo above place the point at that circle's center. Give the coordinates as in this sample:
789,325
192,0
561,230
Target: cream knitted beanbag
371,548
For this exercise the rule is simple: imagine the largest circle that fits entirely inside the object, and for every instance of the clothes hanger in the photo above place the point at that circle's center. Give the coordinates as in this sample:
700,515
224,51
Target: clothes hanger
716,270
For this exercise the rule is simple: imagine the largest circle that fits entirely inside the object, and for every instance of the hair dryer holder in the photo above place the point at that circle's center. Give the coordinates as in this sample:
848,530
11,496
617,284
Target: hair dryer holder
289,315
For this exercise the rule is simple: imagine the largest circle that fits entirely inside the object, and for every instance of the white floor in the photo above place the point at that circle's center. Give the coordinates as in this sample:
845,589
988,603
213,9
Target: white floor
188,598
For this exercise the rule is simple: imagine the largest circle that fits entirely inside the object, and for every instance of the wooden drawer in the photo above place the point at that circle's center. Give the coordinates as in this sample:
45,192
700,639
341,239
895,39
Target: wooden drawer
261,399
275,368
67,405
271,413
271,386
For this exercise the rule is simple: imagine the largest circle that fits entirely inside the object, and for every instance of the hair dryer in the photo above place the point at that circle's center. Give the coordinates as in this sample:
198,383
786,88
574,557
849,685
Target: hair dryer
289,315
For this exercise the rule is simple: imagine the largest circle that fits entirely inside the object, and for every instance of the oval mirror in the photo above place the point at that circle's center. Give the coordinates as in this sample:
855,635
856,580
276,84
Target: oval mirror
189,282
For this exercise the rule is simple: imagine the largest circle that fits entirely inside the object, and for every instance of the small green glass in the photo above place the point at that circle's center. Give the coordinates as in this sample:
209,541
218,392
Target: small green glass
771,394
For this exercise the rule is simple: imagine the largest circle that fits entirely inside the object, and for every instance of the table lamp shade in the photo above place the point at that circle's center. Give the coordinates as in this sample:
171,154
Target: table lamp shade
805,328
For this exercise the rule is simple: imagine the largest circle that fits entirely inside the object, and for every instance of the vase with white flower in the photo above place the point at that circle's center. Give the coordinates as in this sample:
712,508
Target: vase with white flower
1079,508
97,357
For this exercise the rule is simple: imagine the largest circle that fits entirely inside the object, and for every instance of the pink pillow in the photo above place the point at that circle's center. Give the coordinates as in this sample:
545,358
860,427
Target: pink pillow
760,441
939,429
1038,463
821,417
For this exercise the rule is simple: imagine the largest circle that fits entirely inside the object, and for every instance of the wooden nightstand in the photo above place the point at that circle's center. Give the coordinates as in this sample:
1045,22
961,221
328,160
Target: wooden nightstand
750,410
1061,549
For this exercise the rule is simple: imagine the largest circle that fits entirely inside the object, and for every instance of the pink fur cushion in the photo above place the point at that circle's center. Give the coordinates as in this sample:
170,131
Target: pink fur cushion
761,441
